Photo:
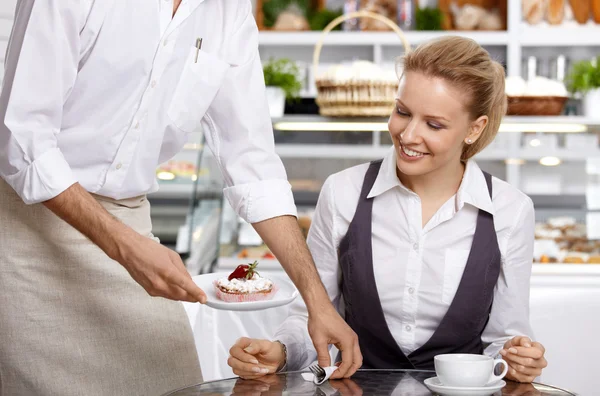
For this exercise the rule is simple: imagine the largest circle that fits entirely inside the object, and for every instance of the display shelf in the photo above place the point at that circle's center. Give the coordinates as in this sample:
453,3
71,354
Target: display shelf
227,263
309,122
373,38
563,154
570,34
566,269
564,202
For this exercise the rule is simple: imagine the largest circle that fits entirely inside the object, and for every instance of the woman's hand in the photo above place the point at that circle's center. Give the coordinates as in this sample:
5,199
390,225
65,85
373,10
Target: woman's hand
525,359
252,358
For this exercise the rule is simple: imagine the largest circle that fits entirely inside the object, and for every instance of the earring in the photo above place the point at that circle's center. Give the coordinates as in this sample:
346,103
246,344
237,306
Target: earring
469,141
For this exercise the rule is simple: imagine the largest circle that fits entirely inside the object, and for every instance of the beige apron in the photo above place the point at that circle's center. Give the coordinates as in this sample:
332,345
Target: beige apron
73,322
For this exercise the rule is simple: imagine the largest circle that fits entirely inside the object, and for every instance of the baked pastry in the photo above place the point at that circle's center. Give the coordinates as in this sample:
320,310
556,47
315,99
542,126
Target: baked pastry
534,10
562,223
596,10
594,259
574,260
244,284
544,259
582,247
556,12
255,252
581,10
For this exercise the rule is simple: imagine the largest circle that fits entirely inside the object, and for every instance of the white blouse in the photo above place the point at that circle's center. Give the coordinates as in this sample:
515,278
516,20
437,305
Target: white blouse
418,269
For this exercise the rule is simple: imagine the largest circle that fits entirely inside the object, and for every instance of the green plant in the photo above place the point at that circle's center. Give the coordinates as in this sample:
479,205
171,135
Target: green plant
318,20
283,73
272,8
429,19
584,76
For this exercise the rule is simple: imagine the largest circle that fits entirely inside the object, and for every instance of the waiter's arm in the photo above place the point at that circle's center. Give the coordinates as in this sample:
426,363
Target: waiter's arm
239,132
41,69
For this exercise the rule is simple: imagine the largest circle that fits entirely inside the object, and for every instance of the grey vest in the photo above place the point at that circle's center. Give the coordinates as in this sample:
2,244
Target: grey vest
460,329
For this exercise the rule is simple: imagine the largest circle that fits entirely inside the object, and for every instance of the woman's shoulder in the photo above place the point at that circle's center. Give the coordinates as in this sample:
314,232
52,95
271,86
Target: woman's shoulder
506,197
342,190
348,180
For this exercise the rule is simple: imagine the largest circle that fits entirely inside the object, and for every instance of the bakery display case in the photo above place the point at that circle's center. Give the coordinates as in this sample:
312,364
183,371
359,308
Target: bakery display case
557,170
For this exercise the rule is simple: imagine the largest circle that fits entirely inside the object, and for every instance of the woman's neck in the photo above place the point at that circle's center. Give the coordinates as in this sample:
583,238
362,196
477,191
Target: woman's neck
441,183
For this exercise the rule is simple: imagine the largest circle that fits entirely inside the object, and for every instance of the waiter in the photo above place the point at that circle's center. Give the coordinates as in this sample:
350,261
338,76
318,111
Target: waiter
96,94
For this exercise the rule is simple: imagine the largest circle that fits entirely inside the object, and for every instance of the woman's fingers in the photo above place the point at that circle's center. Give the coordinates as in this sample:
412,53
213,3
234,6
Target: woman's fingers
246,368
525,361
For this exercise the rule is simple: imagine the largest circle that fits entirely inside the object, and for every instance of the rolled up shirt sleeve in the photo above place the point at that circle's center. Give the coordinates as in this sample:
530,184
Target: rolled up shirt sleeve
40,70
510,310
238,131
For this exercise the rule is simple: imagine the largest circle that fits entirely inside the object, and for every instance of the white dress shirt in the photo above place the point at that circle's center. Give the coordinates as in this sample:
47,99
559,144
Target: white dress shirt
418,269
101,92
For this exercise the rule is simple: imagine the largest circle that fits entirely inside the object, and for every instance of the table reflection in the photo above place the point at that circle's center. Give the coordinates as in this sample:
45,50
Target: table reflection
364,382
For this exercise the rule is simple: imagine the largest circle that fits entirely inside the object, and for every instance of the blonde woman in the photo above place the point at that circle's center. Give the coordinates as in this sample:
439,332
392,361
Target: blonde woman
423,252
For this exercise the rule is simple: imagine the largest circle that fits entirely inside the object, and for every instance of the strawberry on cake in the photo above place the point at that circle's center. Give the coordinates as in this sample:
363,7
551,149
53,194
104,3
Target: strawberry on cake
245,284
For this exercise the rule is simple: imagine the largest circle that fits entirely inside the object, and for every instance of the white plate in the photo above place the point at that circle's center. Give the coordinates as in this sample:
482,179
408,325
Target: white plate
286,294
436,386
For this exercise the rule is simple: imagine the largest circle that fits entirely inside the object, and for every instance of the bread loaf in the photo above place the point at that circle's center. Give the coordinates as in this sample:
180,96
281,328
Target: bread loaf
556,12
534,10
581,10
596,10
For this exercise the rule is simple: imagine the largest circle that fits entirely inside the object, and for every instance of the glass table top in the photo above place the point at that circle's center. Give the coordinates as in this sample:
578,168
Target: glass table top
364,382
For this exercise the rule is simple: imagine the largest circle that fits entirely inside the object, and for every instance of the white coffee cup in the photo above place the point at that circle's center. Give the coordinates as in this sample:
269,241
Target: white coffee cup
467,370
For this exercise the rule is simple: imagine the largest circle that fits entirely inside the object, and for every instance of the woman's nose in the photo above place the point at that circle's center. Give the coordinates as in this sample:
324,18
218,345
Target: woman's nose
410,133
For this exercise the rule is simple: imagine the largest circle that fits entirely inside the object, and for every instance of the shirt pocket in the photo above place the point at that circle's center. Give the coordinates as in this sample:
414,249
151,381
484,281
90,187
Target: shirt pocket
455,261
198,85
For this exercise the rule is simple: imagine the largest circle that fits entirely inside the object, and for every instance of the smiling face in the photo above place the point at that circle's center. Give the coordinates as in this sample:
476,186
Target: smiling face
430,125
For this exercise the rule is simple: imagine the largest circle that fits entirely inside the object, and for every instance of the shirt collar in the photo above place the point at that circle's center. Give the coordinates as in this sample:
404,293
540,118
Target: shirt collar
473,189
387,177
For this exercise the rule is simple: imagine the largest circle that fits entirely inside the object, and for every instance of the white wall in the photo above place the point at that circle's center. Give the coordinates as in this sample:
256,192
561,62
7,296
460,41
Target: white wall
7,9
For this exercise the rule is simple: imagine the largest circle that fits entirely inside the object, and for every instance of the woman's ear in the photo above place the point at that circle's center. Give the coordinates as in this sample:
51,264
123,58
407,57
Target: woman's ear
476,129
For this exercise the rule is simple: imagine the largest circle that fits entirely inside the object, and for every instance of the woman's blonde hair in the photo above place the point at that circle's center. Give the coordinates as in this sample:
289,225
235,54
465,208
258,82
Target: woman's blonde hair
466,65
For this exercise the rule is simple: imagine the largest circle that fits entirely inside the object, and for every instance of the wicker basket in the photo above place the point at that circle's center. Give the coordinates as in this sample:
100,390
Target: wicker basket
536,105
368,99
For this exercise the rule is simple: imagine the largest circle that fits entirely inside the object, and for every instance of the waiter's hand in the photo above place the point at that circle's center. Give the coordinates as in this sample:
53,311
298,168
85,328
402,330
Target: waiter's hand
525,359
327,327
159,270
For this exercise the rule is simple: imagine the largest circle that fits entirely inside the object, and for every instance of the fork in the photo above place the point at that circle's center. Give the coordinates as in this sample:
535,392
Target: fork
318,372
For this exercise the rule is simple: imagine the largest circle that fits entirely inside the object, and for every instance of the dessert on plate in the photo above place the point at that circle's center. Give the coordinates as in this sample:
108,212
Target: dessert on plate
245,284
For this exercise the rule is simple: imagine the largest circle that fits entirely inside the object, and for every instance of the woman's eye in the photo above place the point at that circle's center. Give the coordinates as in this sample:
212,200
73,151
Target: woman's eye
435,126
402,113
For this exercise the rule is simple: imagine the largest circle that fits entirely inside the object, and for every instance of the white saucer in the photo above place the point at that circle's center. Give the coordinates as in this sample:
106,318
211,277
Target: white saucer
436,386
286,294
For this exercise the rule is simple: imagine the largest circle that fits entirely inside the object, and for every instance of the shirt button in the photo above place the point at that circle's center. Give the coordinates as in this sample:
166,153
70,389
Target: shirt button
165,42
153,83
408,328
416,246
137,125
119,165
411,290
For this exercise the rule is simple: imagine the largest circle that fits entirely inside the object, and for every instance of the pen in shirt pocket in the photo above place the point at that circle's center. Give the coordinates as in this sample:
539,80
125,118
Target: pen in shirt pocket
198,47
